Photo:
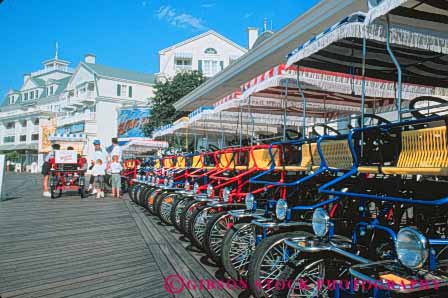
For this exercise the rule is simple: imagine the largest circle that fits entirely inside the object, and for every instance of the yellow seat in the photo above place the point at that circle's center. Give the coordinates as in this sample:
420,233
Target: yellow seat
292,168
157,163
310,157
261,158
423,152
167,163
337,154
181,162
226,160
369,169
197,162
438,171
240,168
210,168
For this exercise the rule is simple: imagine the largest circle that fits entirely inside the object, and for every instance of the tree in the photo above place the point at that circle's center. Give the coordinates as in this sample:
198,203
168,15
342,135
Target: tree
166,94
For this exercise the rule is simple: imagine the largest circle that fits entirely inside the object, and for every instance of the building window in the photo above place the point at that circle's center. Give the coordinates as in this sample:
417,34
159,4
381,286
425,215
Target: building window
36,122
37,94
71,93
211,67
31,94
23,138
35,137
90,86
121,90
23,123
9,139
211,51
130,91
51,90
10,125
25,96
183,64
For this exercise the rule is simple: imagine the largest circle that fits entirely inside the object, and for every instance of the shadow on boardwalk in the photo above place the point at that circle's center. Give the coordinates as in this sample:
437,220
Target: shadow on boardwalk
70,247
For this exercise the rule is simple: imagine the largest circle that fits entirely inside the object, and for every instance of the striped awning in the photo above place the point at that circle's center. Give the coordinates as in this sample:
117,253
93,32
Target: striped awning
185,55
229,101
163,130
420,13
143,145
420,51
199,113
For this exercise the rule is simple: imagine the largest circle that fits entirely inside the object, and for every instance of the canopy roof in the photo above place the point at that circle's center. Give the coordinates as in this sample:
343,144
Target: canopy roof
421,54
142,145
424,14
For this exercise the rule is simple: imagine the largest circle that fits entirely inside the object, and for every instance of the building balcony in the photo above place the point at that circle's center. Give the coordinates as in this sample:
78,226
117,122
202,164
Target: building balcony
70,119
52,68
181,68
85,98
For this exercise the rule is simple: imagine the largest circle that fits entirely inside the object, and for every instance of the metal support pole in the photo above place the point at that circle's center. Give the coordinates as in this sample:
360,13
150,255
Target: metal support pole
252,120
222,130
299,86
397,65
363,90
186,139
241,126
285,107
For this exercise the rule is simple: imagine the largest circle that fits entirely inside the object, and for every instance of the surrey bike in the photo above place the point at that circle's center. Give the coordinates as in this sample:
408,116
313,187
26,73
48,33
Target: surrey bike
142,182
177,186
293,214
295,160
67,172
214,219
203,164
400,233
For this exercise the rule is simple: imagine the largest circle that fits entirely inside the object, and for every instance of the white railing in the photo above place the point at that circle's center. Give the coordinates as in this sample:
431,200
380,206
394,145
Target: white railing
180,68
81,96
64,120
49,69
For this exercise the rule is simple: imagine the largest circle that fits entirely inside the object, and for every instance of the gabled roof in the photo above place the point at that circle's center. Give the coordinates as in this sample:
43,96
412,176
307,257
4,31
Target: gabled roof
62,84
38,82
107,71
201,36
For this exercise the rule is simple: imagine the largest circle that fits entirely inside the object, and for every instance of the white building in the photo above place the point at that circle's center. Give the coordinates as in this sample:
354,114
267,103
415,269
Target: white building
83,101
208,53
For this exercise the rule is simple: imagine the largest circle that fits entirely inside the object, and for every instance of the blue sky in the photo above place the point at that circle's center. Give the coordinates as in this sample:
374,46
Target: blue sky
126,34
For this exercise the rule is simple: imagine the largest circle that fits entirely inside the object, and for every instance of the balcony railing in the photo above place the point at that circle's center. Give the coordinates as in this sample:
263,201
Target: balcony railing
81,96
180,68
70,119
53,68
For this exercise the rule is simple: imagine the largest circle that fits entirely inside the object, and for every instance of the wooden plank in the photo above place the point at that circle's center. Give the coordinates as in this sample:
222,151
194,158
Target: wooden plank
90,248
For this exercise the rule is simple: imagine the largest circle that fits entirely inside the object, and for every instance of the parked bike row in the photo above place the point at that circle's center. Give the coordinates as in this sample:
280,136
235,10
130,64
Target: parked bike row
369,205
353,209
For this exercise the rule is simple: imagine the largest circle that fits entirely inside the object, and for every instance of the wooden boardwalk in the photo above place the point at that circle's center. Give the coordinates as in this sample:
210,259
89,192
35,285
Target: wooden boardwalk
90,248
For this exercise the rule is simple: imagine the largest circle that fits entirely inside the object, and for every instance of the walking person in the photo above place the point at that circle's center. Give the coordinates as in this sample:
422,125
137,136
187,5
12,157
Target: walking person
115,168
98,172
99,153
46,168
